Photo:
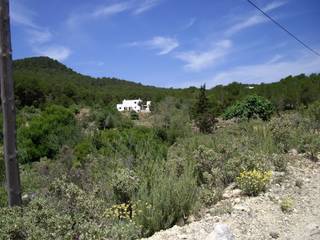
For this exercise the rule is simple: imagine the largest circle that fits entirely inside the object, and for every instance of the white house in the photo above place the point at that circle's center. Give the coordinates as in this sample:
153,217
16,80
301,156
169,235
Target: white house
134,105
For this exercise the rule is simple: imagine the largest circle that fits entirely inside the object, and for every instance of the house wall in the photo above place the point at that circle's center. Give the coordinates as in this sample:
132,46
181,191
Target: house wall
129,105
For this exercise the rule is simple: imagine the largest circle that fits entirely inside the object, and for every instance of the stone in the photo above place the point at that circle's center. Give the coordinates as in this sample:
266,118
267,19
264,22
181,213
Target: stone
274,235
180,222
293,152
221,232
190,219
231,193
242,207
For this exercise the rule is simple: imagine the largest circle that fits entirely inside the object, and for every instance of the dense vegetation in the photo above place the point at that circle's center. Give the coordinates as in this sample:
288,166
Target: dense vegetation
89,172
41,80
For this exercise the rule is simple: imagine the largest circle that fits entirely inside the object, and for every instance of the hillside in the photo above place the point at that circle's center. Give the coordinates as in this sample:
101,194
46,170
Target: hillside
40,79
90,172
262,217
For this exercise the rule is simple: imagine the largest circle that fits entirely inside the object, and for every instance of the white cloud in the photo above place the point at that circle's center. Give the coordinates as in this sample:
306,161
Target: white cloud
20,15
254,19
249,22
39,36
274,5
191,22
145,6
135,7
272,70
110,10
196,61
59,53
164,45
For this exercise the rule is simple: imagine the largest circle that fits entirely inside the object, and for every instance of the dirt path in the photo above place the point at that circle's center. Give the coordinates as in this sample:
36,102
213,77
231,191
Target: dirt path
261,217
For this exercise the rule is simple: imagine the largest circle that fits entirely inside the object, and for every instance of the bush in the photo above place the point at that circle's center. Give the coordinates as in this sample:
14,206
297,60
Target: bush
2,166
67,212
124,183
171,119
310,144
250,108
314,114
44,134
165,197
286,204
134,115
280,162
282,130
253,182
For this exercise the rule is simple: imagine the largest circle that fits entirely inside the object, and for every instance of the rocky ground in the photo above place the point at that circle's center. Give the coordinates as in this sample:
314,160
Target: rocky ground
288,210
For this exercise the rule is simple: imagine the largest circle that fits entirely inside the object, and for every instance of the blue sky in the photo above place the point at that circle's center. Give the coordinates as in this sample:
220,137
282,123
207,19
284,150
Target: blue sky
170,43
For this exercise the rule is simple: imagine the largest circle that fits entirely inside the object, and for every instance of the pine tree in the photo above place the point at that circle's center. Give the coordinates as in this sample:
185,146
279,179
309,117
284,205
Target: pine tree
204,120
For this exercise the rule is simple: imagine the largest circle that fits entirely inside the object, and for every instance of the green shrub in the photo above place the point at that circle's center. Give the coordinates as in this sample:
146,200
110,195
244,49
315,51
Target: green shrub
2,166
209,196
253,182
309,143
3,196
165,197
314,114
171,120
280,162
124,183
134,115
44,134
251,107
287,129
286,204
82,150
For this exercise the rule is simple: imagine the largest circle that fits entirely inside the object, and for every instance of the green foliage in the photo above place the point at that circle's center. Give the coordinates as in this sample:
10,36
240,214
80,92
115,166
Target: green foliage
2,166
204,120
314,114
170,196
252,107
3,196
45,133
124,183
286,204
309,143
171,120
134,115
66,213
253,182
280,162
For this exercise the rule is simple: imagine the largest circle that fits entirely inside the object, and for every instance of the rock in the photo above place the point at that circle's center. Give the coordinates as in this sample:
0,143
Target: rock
231,193
190,219
274,235
221,232
26,198
242,207
293,152
180,222
313,229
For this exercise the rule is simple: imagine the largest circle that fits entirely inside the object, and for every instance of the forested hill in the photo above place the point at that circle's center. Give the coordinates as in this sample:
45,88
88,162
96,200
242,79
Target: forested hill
40,80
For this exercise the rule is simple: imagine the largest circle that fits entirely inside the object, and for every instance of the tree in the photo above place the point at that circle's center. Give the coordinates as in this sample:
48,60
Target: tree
251,107
204,120
8,108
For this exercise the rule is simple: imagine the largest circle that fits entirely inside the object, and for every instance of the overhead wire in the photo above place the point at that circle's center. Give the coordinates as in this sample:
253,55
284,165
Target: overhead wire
284,29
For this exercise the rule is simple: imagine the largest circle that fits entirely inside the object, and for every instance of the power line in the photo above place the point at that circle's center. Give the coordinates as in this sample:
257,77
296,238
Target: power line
283,28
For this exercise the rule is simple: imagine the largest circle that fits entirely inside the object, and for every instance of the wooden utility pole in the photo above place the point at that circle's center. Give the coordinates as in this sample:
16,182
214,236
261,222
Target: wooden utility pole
8,108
